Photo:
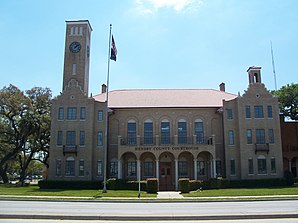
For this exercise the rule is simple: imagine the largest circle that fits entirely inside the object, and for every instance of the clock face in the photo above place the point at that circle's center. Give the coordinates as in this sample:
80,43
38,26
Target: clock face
75,47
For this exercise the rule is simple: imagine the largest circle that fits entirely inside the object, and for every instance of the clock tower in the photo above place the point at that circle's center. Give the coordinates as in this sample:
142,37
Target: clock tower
77,53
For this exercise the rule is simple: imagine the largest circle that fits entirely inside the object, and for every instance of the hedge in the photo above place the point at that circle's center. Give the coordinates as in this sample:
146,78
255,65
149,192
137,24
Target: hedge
152,185
121,184
63,184
224,183
183,184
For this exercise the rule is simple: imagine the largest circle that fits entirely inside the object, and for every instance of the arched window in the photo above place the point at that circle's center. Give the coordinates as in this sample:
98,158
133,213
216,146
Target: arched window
182,132
199,131
132,132
165,132
148,132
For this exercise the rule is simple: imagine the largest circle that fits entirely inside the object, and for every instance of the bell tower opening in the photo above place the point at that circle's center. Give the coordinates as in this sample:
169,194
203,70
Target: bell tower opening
254,74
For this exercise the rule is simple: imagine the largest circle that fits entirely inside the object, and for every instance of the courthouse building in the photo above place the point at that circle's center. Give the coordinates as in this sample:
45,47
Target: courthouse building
160,133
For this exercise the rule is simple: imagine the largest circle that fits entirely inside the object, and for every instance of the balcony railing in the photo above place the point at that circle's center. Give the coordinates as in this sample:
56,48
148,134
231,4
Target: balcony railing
262,148
133,141
70,149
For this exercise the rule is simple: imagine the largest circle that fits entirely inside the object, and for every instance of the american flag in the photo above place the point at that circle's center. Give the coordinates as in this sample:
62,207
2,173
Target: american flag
113,50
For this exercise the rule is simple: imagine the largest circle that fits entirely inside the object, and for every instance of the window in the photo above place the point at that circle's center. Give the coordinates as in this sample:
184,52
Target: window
148,168
131,168
165,132
81,168
82,138
273,166
262,165
99,115
59,138
113,168
233,167
61,113
70,138
249,136
231,137
182,132
58,167
201,167
71,113
269,111
250,166
182,169
83,113
99,138
70,166
131,132
229,114
199,131
271,136
260,136
148,132
247,111
74,69
99,168
259,111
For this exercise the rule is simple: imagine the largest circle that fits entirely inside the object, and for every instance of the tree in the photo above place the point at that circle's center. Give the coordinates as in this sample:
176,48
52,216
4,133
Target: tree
24,128
37,145
14,130
288,98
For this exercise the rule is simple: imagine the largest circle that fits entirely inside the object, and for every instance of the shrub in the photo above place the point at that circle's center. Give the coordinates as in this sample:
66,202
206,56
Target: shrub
121,184
195,185
184,185
290,180
152,185
63,184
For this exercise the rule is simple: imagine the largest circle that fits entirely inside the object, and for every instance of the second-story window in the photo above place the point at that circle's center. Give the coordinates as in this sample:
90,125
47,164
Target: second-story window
229,113
165,132
71,113
258,109
249,136
83,113
247,111
199,131
269,111
61,113
271,136
131,132
148,132
182,132
99,115
82,138
231,137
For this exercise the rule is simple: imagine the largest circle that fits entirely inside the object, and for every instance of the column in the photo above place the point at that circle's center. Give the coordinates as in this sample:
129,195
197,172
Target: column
157,172
176,174
195,169
119,169
214,168
211,168
290,165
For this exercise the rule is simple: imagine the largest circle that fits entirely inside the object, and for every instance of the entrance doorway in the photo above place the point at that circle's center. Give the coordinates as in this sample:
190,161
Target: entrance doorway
166,176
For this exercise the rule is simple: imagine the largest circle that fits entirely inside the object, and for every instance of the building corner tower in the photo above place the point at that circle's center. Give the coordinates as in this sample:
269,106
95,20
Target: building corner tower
77,54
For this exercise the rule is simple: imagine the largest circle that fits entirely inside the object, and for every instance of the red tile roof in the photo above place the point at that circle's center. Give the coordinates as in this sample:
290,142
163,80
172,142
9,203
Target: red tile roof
165,98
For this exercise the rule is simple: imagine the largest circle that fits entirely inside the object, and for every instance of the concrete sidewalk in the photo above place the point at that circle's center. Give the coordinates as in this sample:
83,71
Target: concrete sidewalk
169,195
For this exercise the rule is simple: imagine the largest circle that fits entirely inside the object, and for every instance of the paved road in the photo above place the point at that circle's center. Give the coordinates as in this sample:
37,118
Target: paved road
153,211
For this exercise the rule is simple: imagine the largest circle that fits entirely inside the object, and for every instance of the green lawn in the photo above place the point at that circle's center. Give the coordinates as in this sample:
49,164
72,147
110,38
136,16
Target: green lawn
244,192
33,190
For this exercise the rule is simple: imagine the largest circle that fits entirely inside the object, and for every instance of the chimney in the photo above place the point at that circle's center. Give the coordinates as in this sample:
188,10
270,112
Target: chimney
103,88
222,87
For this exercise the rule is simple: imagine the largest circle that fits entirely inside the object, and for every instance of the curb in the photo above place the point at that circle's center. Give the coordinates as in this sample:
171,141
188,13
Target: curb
148,218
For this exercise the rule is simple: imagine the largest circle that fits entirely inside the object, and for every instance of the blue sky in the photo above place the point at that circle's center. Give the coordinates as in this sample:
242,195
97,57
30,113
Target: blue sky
161,43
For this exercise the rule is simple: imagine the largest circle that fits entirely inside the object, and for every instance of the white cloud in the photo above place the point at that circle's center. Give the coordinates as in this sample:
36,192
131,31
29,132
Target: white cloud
180,6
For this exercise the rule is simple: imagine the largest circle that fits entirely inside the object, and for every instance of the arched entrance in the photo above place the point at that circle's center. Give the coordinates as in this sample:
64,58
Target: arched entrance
166,172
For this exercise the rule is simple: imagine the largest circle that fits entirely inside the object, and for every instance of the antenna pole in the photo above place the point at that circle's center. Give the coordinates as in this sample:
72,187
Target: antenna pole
273,66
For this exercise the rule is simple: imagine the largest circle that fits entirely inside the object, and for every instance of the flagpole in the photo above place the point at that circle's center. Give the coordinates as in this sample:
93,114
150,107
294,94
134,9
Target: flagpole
104,190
